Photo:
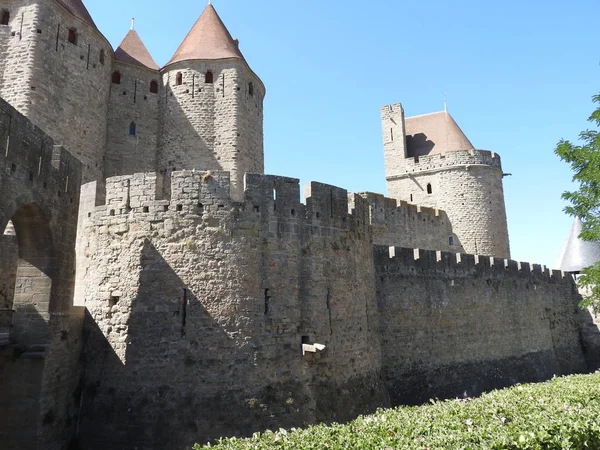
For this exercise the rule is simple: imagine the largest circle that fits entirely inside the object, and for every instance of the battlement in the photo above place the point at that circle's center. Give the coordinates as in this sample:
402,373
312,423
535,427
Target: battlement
437,263
208,193
30,155
383,207
464,158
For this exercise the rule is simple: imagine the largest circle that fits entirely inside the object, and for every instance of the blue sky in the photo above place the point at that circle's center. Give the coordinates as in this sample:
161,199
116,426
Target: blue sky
519,76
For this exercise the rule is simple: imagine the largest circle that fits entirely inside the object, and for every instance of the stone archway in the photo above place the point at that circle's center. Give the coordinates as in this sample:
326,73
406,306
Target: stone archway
33,281
40,362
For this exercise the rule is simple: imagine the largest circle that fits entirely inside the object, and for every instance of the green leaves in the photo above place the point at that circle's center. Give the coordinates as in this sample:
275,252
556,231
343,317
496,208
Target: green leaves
585,202
561,414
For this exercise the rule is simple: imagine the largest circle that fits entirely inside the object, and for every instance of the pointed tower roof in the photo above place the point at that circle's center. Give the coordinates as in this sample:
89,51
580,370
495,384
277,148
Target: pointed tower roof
576,253
208,39
133,51
434,133
78,9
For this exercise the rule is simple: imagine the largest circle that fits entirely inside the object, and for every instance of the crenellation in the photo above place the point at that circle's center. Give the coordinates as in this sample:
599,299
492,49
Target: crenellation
31,156
399,223
210,286
452,265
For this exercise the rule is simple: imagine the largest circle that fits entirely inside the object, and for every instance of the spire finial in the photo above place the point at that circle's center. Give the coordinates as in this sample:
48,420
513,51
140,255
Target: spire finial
445,102
133,23
210,2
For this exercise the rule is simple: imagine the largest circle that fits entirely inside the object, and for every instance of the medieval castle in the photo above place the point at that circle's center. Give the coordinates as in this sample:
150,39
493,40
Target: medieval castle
157,289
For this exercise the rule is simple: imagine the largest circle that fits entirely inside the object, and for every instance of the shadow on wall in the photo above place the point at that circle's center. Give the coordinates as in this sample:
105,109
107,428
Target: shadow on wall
192,149
39,347
418,145
590,337
171,374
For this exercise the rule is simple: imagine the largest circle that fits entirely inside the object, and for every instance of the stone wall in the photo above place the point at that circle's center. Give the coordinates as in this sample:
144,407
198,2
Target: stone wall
201,306
214,125
132,150
9,256
401,224
467,185
39,370
457,325
17,52
60,86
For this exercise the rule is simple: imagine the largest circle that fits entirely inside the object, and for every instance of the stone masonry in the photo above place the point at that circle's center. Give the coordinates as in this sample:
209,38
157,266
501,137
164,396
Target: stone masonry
214,299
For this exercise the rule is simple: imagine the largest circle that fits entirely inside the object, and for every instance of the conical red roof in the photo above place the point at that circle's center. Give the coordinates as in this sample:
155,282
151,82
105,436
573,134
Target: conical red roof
208,39
77,8
434,133
133,51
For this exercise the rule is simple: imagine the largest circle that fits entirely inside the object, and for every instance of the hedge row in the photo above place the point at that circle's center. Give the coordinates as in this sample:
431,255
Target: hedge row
563,413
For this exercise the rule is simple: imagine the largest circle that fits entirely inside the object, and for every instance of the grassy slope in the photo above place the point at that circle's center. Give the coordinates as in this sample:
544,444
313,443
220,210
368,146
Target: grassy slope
561,414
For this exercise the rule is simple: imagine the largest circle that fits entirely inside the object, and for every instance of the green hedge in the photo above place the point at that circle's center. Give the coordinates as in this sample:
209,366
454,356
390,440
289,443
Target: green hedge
563,413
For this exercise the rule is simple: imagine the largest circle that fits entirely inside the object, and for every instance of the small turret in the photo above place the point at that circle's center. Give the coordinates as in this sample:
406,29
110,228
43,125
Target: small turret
212,109
576,253
132,137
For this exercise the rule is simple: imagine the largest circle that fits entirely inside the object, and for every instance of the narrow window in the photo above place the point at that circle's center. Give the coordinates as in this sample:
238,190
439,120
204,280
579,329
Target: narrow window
73,36
451,240
267,301
116,77
208,78
154,87
429,190
102,57
132,129
251,88
179,79
5,17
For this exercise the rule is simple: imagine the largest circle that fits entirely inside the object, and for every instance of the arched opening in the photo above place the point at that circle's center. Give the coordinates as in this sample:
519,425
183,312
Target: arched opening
9,257
251,89
154,87
116,77
429,188
132,129
27,253
209,78
5,17
179,79
102,56
72,36
29,262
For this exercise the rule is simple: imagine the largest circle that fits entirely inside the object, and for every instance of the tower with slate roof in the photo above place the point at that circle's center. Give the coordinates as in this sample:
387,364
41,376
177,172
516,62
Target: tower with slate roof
133,109
211,106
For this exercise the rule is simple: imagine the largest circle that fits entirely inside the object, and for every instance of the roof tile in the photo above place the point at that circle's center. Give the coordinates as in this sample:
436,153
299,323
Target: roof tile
434,133
78,9
208,39
133,51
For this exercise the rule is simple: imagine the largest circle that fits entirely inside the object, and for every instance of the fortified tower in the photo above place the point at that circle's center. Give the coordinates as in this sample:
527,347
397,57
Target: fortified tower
54,68
429,161
212,106
132,138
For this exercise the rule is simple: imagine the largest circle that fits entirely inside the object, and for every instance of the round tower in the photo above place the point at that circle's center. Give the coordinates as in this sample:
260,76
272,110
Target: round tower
132,135
57,73
211,106
430,162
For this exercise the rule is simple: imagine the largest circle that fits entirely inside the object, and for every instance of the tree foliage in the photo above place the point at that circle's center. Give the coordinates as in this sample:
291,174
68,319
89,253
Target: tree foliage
585,202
